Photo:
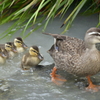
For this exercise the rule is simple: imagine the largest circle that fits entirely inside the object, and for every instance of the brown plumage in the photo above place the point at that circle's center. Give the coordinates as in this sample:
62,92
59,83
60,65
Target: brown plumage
78,57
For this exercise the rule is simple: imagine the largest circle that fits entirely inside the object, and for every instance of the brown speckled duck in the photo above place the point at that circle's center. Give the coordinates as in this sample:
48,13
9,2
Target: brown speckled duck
31,59
78,57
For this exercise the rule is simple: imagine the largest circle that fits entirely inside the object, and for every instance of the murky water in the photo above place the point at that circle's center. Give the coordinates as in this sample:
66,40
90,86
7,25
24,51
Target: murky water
16,84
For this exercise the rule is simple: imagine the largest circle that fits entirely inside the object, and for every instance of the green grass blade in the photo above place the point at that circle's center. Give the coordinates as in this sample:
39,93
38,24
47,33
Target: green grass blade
72,16
78,7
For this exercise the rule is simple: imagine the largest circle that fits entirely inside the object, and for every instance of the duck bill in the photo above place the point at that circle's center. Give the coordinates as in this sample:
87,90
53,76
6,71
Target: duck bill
24,46
3,55
40,57
14,50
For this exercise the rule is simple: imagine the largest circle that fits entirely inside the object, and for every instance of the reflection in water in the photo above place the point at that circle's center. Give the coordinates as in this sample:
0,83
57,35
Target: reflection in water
16,84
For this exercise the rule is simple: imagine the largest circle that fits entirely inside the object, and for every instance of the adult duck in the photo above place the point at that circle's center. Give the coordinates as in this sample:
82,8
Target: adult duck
78,57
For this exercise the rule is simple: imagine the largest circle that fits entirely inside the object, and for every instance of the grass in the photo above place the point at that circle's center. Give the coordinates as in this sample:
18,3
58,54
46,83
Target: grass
28,13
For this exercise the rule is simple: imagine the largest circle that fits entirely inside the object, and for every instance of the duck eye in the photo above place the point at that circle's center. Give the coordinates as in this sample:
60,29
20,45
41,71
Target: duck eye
18,41
34,51
8,46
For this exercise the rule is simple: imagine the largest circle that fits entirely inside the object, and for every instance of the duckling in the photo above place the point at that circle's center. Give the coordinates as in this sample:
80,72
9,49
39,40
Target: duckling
31,59
78,57
8,49
2,57
19,45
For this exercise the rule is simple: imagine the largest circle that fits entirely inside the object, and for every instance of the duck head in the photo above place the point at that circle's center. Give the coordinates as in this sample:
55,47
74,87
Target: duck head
92,38
34,51
18,42
9,47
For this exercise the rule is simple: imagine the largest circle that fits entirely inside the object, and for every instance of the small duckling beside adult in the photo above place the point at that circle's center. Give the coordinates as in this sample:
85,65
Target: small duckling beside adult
31,59
8,49
19,45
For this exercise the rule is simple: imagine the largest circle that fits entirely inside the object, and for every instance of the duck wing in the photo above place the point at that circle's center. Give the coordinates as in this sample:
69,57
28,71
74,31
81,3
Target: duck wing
68,44
66,51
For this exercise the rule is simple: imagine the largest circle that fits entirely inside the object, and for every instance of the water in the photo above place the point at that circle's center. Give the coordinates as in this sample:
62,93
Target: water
16,84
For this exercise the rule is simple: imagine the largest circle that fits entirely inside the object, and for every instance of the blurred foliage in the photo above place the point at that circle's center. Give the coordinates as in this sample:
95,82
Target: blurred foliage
28,13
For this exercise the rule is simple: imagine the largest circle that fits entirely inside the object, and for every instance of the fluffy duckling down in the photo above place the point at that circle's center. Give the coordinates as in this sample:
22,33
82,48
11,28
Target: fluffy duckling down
32,58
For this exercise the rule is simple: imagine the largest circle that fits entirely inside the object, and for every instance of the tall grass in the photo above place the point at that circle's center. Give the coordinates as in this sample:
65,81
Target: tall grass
28,13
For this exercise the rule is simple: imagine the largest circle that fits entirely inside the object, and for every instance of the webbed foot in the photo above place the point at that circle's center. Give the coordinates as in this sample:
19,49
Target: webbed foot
57,79
92,87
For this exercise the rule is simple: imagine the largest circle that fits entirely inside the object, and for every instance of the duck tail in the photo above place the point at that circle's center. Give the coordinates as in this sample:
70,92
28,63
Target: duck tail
49,34
53,35
57,36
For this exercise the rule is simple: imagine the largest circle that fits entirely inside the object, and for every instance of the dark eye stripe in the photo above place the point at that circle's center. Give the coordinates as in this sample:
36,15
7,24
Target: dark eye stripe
96,34
34,51
9,46
18,41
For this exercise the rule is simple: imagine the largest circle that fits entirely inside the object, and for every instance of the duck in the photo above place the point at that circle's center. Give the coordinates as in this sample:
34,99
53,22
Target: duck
19,45
31,59
2,57
76,56
8,49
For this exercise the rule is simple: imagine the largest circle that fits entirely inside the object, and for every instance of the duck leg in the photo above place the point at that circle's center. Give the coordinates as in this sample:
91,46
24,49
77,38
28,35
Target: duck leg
57,79
91,86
